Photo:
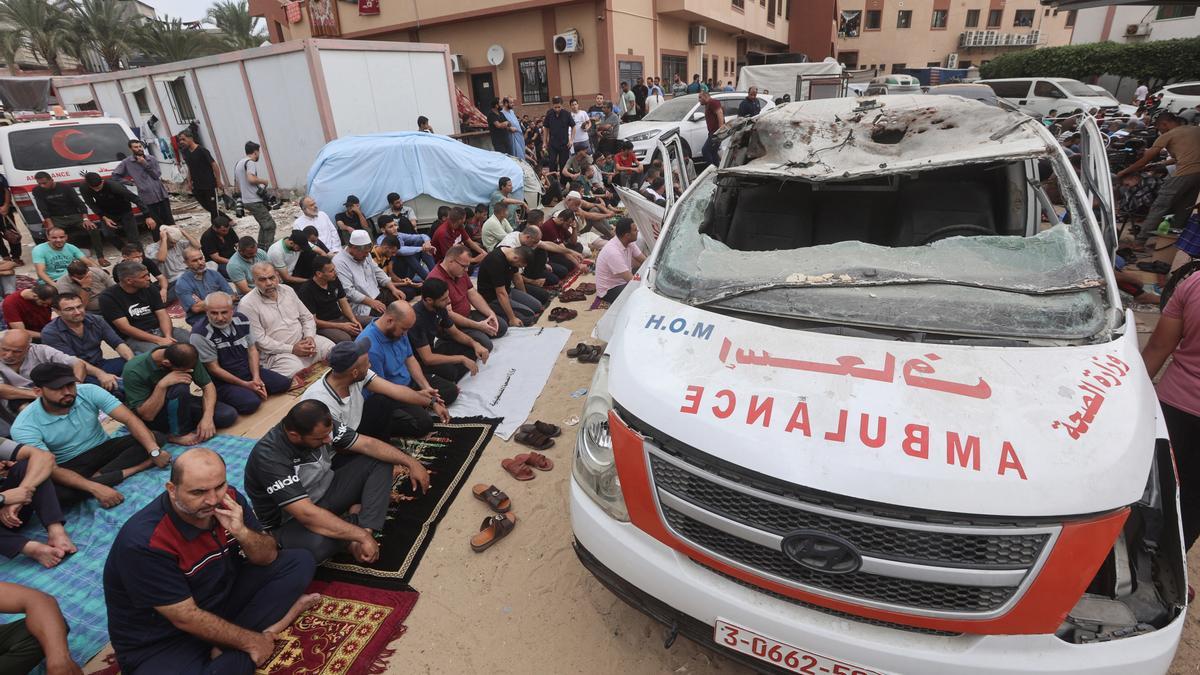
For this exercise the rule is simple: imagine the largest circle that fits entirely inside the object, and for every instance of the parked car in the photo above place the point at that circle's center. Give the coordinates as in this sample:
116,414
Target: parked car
893,84
894,421
1039,95
1179,97
682,113
974,92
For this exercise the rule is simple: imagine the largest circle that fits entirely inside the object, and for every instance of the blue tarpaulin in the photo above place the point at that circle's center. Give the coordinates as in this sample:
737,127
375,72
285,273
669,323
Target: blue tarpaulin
409,163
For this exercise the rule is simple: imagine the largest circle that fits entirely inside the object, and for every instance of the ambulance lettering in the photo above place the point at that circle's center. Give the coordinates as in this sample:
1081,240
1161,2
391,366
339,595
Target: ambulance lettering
917,441
679,325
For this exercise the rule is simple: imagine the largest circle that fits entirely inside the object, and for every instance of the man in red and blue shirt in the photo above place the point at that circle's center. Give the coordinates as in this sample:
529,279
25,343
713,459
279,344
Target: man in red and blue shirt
192,571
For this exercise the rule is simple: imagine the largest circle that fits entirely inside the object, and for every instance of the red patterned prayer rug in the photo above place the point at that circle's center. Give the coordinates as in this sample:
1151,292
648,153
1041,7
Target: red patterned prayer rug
346,634
302,379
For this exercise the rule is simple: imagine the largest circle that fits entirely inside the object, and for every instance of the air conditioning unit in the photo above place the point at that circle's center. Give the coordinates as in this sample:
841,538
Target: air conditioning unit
568,43
1033,38
966,38
952,60
989,38
698,35
457,63
1007,39
1137,30
1018,40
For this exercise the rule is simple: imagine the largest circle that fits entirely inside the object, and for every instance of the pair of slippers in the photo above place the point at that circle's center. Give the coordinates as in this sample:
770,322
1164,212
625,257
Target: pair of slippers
539,435
521,467
560,314
572,295
585,353
493,528
586,289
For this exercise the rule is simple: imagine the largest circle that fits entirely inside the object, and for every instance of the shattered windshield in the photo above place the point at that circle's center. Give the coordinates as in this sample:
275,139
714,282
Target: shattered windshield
735,238
673,110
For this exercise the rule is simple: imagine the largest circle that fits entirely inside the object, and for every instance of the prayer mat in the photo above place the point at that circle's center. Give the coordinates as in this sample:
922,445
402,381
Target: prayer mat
176,310
571,278
346,634
449,452
77,583
302,379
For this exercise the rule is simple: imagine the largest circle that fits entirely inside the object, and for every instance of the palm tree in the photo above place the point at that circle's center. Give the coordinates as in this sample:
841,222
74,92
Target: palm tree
42,27
10,43
165,40
107,26
236,29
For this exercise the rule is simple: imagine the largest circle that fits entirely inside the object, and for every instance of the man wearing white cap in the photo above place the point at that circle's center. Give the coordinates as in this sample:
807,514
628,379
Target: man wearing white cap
368,288
590,226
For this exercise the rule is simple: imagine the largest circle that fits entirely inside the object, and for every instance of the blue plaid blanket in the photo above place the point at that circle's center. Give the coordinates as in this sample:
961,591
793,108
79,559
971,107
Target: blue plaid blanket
78,582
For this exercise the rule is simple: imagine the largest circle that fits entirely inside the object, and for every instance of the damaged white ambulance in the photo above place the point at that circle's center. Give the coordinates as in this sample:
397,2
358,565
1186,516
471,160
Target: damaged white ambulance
873,406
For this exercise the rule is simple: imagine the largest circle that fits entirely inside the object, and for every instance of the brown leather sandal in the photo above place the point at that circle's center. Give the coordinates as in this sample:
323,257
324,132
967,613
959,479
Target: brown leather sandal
492,530
533,438
517,469
493,497
536,460
549,430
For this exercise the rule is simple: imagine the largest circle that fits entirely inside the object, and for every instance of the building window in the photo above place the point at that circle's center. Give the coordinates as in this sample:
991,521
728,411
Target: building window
874,19
933,64
972,18
143,106
1046,12
1071,19
180,100
1023,18
740,4
939,18
278,31
994,17
535,83
964,64
1174,12
672,66
850,22
630,71
787,9
848,59
897,67
770,12
714,70
904,18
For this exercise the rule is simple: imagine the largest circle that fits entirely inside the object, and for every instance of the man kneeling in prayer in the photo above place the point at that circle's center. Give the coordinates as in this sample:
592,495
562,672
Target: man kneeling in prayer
192,584
323,486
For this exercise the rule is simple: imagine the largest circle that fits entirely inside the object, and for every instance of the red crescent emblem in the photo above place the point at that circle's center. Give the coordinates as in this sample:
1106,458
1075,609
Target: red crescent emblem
59,142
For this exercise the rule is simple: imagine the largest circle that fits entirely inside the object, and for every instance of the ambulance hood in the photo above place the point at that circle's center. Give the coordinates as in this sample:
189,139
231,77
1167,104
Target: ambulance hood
1003,431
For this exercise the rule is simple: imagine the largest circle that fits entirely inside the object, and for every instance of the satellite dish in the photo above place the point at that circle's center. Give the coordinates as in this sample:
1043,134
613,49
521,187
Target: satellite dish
495,55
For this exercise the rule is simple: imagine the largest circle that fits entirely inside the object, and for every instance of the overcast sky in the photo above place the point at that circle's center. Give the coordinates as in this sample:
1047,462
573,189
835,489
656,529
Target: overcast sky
183,9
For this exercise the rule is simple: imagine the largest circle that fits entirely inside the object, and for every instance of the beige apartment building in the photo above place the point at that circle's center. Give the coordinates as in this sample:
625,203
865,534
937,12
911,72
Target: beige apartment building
509,48
890,34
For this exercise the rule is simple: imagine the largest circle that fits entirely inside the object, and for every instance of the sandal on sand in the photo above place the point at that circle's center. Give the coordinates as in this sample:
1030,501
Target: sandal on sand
537,460
561,314
578,350
492,530
493,497
586,289
549,430
571,295
533,438
517,469
592,356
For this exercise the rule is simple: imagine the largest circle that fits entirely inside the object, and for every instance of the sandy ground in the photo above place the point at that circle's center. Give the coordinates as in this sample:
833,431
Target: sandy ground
527,605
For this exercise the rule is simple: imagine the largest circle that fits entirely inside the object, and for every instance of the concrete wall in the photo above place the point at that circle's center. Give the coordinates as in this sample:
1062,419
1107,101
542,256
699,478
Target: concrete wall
1109,23
921,44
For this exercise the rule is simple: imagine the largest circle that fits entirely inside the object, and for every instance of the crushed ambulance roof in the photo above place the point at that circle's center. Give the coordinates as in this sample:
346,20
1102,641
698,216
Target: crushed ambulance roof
841,138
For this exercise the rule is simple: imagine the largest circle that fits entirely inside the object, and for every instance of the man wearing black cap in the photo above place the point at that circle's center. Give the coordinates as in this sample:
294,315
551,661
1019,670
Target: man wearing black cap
285,254
303,497
352,219
342,391
64,420
113,203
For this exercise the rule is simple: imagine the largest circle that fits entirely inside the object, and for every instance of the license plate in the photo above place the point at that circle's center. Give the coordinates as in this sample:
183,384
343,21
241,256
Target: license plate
781,654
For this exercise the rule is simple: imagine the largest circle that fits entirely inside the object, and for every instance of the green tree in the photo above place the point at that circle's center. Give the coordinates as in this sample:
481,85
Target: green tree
10,43
43,28
167,39
109,27
236,29
1155,62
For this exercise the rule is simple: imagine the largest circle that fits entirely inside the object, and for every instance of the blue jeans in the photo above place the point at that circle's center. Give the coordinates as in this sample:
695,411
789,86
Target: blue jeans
181,412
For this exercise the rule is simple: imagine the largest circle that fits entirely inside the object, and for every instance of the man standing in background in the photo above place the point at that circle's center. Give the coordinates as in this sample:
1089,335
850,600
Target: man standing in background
147,176
245,172
204,179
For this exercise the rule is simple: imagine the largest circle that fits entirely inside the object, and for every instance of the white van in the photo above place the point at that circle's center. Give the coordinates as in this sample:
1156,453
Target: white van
64,148
893,84
870,407
1039,95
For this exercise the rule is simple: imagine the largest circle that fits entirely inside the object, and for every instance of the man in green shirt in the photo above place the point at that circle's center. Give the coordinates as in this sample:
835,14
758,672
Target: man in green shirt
238,268
158,388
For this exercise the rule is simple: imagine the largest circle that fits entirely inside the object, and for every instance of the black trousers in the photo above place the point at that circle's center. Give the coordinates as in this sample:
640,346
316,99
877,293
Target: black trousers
452,372
103,464
45,505
557,157
20,652
207,197
357,479
261,595
386,418
1184,430
161,212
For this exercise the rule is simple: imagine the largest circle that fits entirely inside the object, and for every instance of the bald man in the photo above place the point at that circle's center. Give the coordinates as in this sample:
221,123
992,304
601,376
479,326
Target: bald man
392,358
193,585
19,356
227,350
284,330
